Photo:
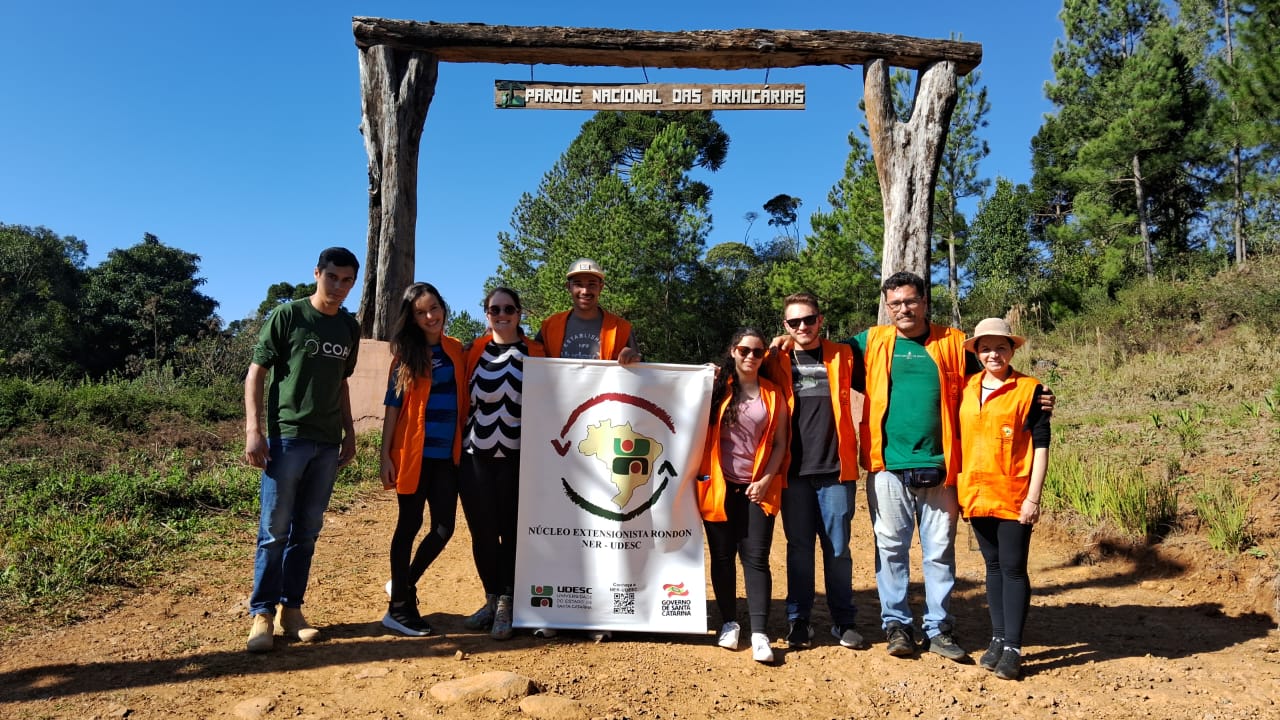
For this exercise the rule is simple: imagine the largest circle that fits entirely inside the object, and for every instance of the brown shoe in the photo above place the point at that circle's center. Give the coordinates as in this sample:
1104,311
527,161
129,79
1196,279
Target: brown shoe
260,636
290,623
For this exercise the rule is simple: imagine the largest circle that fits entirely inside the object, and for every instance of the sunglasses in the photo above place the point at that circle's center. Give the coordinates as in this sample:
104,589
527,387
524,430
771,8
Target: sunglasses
795,323
501,310
744,350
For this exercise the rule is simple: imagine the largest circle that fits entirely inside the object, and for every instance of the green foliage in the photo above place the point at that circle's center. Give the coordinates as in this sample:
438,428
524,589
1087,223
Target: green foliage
1224,509
465,327
622,195
1116,176
40,278
841,259
104,484
1101,489
142,302
1001,259
283,292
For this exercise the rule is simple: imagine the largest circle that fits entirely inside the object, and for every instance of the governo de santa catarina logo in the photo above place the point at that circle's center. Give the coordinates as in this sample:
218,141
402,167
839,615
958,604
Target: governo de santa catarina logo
631,461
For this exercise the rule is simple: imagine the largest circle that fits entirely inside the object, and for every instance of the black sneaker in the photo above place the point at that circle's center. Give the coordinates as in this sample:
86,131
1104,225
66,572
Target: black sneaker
991,657
943,644
902,642
848,637
404,619
1010,665
800,634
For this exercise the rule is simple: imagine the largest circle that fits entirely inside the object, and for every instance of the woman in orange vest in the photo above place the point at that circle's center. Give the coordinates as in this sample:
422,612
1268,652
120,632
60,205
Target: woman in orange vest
1004,436
426,404
490,486
744,470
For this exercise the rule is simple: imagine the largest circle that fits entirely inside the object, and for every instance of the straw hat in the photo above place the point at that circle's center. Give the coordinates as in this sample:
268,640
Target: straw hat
993,326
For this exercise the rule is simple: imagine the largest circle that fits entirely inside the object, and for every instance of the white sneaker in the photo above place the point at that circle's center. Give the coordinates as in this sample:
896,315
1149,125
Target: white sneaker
729,635
600,636
544,632
760,650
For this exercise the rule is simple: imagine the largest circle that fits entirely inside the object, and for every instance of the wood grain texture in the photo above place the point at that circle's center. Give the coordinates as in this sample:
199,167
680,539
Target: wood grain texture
709,49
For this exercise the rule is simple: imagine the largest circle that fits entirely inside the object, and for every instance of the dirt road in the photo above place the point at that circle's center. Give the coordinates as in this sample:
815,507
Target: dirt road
1114,639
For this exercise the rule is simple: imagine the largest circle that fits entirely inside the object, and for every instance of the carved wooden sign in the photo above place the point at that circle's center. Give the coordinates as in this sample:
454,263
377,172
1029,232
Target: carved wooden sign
519,94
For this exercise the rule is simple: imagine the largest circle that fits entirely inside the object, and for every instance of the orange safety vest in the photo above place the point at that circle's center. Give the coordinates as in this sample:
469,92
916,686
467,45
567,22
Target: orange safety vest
410,432
838,359
946,346
475,350
712,490
998,448
614,334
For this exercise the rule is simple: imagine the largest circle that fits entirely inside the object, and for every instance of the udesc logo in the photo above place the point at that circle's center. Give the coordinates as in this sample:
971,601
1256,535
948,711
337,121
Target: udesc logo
542,596
625,466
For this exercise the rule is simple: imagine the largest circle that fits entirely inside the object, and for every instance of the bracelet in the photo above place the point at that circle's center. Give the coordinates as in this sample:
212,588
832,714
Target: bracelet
1037,502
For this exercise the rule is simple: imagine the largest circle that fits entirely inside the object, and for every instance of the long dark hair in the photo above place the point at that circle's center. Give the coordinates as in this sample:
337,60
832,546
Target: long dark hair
727,381
408,343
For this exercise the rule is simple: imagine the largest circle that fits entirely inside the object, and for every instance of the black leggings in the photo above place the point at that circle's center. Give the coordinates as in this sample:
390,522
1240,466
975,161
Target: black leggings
1005,545
438,489
490,489
748,532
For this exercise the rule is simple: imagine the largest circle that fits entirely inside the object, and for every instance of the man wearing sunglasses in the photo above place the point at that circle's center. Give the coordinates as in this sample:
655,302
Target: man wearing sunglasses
818,499
587,331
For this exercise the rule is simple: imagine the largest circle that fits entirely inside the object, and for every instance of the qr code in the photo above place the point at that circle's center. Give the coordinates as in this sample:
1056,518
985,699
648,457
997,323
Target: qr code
624,603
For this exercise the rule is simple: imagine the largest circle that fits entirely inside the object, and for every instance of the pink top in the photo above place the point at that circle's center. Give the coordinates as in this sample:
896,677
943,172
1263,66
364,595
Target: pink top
738,442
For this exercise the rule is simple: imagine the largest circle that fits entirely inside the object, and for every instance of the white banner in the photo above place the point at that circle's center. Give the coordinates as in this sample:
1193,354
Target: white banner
609,535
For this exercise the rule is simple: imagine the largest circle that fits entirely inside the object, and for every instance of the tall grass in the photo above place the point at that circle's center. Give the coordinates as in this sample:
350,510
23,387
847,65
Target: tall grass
1224,509
1102,490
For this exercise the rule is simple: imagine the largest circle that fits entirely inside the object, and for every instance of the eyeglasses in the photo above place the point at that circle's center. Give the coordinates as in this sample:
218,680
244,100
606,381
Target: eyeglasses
795,323
501,310
745,350
907,302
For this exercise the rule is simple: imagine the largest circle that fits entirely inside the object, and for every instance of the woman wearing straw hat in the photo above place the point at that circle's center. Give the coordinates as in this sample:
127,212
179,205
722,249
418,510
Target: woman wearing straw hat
1004,436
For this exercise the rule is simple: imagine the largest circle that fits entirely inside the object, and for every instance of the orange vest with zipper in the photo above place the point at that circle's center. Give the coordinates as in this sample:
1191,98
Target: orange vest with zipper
997,447
614,334
838,359
946,346
711,492
410,432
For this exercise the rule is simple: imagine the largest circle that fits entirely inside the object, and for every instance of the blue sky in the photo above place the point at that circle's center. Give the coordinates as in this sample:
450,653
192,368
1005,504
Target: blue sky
230,129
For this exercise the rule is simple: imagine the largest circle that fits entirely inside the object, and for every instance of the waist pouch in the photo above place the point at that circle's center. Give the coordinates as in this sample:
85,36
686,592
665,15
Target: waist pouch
928,477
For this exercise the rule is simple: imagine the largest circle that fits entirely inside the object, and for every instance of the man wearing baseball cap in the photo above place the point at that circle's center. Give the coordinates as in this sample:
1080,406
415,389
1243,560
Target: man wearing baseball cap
588,331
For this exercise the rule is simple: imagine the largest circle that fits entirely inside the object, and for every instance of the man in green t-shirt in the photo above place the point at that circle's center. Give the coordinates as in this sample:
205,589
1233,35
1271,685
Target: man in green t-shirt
309,348
914,373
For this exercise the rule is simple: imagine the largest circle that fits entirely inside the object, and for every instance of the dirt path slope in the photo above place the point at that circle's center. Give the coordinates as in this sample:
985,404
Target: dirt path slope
1106,641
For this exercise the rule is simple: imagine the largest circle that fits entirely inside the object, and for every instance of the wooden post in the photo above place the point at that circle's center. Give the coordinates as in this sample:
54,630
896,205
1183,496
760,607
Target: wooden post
907,156
396,87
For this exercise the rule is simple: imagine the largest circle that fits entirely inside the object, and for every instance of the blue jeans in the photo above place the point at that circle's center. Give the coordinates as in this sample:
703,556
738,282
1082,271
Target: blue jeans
821,507
295,493
896,511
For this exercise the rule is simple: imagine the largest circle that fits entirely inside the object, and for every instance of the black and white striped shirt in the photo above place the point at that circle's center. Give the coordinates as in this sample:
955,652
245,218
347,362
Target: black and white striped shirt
493,430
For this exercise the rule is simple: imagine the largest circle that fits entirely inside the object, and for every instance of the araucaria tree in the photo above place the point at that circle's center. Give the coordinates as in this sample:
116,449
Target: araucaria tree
622,194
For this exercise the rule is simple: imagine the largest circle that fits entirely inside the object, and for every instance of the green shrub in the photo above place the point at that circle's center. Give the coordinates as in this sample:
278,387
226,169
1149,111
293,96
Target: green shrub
1224,510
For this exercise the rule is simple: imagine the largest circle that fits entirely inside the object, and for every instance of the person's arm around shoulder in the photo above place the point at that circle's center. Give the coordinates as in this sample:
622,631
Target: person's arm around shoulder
759,489
255,443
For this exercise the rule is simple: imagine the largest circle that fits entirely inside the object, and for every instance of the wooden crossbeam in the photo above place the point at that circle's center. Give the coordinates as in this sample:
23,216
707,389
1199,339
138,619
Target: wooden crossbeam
708,49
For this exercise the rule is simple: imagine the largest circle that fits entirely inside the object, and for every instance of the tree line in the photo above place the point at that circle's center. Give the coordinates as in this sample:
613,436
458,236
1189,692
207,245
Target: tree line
1157,163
